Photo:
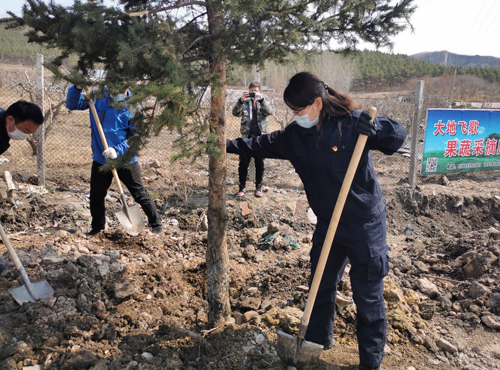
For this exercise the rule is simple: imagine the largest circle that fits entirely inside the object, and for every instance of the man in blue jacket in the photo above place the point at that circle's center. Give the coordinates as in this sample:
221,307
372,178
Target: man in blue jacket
117,126
18,122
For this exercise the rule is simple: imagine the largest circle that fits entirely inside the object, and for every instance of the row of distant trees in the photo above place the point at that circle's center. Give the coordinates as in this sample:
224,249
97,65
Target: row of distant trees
336,70
360,71
367,71
377,69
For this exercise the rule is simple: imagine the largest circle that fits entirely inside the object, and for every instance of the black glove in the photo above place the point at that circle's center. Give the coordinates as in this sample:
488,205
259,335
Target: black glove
364,126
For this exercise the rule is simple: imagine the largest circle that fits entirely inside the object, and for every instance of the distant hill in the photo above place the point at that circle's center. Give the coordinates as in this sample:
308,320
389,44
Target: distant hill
456,60
14,46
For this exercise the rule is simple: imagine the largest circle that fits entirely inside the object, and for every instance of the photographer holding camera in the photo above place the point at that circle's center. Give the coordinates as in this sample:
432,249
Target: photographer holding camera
253,109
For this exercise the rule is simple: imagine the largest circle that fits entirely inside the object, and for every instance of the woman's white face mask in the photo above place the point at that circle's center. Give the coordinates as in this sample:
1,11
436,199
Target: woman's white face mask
305,121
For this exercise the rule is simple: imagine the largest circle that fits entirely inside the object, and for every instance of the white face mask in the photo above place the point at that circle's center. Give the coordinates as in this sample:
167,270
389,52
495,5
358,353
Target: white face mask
18,135
122,97
119,98
305,121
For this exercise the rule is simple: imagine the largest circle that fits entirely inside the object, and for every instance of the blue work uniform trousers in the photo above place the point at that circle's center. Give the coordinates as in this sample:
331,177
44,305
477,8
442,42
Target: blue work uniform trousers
369,265
131,177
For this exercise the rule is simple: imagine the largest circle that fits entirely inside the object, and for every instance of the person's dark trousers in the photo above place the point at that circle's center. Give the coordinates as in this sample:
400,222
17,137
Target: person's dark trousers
366,277
131,177
320,328
243,170
259,171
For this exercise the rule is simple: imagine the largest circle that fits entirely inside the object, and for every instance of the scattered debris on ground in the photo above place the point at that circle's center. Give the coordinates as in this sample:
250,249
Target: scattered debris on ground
126,302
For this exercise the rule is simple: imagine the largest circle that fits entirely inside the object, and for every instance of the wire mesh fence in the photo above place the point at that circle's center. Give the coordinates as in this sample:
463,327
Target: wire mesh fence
68,136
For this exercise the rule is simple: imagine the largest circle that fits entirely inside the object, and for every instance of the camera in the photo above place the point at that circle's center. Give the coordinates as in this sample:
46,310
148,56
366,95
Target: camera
255,95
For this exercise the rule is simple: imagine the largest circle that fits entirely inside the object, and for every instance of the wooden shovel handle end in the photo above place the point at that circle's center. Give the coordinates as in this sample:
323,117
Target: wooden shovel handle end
373,112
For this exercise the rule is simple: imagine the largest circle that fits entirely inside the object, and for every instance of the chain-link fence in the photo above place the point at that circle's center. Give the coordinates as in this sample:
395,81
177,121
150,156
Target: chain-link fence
67,137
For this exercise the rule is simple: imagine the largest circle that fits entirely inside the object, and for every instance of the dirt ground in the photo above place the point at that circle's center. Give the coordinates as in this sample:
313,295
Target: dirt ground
125,302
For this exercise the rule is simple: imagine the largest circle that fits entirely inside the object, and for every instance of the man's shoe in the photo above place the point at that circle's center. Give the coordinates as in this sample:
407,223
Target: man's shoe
241,193
157,229
3,266
364,367
258,191
94,232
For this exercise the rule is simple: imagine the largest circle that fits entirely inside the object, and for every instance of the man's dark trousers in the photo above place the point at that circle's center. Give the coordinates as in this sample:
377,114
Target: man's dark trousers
131,177
243,170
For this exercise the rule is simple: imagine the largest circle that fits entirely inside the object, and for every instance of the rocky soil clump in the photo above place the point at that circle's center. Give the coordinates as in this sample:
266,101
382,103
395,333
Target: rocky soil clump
125,302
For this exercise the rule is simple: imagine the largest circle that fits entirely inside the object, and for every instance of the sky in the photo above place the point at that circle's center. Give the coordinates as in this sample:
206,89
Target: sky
459,26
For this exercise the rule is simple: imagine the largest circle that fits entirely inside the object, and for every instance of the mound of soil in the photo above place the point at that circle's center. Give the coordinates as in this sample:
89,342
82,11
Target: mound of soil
125,302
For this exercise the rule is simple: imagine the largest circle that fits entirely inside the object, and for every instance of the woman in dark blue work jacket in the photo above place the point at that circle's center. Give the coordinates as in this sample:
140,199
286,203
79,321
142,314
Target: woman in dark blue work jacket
320,144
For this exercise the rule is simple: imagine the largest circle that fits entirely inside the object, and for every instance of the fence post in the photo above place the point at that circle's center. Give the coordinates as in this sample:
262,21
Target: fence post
419,106
40,134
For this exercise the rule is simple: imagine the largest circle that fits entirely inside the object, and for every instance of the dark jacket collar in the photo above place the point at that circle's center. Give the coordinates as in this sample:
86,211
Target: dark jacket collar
4,137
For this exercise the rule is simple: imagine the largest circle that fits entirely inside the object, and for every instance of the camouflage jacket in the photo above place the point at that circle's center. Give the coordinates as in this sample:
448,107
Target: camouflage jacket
244,110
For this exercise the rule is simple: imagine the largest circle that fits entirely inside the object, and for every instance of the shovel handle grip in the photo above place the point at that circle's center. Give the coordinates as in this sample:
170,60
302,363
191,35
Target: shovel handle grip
332,228
104,141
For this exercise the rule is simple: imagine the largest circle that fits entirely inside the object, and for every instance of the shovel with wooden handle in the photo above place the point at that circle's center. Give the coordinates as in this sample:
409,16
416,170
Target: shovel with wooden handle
298,351
130,217
29,292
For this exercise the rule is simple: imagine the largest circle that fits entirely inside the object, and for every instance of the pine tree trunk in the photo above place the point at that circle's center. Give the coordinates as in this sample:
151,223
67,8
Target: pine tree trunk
217,255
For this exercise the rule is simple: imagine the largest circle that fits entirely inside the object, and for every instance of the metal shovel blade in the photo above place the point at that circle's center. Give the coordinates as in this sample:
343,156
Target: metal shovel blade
297,352
41,290
131,219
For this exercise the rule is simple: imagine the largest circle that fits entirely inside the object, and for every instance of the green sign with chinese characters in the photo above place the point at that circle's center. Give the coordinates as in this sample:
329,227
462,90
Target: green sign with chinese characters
461,141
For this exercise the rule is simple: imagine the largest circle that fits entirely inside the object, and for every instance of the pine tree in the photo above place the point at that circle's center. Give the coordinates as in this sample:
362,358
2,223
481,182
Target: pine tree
169,50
